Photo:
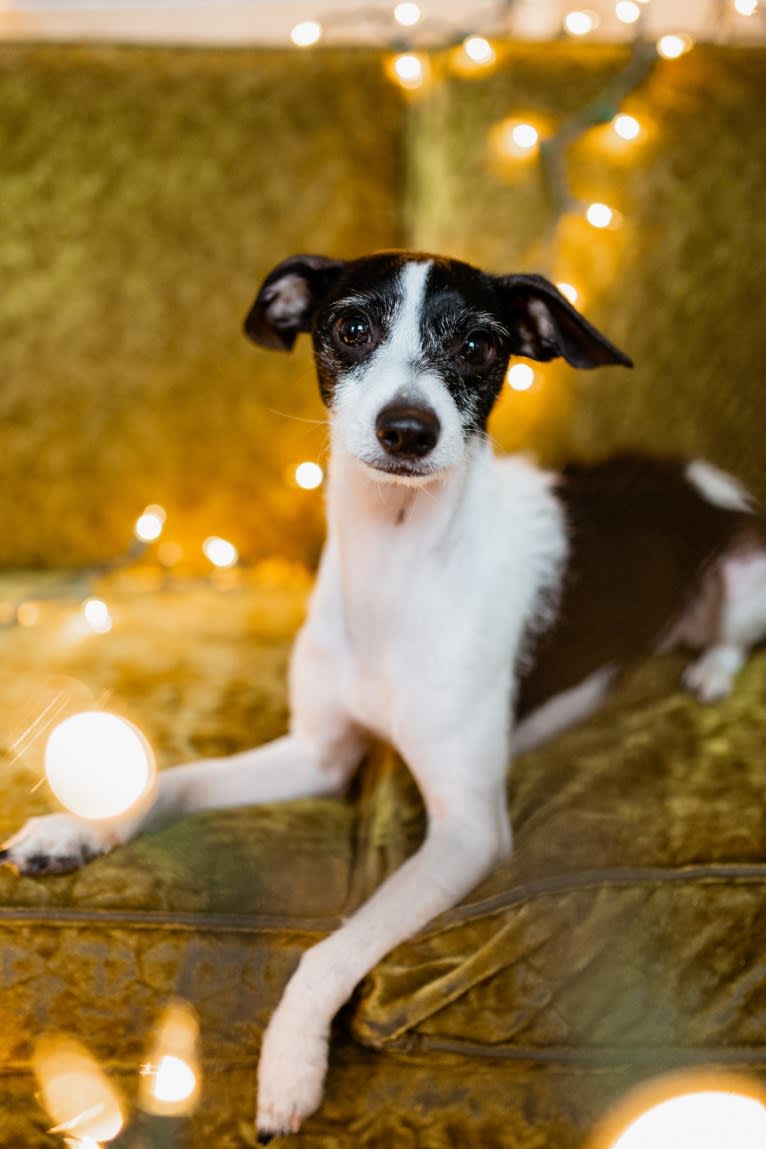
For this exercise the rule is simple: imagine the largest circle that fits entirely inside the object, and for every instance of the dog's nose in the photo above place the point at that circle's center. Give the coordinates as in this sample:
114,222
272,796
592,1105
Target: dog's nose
407,431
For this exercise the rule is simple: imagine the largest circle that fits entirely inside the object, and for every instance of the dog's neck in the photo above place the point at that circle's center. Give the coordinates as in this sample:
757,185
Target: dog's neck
358,501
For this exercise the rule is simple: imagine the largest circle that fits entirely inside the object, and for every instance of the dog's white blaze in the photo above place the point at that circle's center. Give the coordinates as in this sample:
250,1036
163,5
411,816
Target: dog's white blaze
391,373
718,487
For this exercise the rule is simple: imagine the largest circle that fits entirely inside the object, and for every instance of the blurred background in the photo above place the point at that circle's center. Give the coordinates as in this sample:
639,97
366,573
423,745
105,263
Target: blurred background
157,159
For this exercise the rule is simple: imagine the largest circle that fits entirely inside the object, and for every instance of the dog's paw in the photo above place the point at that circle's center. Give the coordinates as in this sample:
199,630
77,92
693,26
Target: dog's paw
54,844
291,1073
711,676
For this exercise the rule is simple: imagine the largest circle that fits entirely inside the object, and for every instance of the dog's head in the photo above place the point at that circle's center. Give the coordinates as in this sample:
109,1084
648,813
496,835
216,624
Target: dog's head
411,350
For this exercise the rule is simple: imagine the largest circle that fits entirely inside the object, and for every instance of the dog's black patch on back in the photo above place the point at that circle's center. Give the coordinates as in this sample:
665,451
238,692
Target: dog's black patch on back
642,538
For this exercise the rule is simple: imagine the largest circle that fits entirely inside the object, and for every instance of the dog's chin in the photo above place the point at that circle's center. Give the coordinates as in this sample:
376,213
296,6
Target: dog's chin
401,474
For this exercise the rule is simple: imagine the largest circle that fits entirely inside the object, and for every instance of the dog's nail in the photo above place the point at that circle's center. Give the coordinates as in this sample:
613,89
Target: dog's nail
264,1138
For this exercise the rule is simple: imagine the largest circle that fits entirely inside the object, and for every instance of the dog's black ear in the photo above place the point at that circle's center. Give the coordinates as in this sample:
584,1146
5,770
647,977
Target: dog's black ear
289,296
544,325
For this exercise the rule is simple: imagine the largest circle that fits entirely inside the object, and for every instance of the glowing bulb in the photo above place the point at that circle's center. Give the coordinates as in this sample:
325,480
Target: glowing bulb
626,127
98,765
580,23
407,15
705,1120
745,7
569,291
171,1080
520,376
149,523
408,70
306,33
599,215
97,615
309,476
627,11
673,45
220,552
79,1097
524,136
479,50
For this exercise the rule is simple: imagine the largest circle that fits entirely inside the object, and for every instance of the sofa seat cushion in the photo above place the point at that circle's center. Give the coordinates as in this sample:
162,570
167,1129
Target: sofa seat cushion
632,914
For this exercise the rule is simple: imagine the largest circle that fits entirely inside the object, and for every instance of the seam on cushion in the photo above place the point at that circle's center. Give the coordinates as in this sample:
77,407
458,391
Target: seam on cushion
606,1056
224,923
592,879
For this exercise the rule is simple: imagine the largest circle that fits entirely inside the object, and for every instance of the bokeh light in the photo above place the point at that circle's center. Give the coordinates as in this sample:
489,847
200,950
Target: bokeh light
98,765
80,1099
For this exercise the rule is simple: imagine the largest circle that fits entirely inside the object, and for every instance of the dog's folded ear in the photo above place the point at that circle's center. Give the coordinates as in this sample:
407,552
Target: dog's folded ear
544,325
288,299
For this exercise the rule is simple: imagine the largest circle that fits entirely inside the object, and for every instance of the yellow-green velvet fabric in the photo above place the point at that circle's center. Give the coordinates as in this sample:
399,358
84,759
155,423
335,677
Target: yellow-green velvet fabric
624,937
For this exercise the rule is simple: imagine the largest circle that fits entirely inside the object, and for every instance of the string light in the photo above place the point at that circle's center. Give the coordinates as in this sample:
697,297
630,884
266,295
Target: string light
80,1099
309,476
626,127
627,11
150,523
569,291
307,33
86,748
408,70
746,7
97,615
674,44
515,138
520,376
220,552
478,50
580,22
706,1120
599,215
170,1084
407,15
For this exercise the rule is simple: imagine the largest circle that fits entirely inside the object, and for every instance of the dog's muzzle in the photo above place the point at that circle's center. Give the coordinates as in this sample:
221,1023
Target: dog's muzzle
407,432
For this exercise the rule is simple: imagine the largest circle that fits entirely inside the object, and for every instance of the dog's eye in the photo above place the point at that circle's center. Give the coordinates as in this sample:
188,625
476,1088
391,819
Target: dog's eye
478,350
353,331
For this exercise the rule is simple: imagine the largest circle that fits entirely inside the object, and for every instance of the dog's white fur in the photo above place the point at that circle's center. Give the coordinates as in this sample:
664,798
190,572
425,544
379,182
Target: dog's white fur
414,634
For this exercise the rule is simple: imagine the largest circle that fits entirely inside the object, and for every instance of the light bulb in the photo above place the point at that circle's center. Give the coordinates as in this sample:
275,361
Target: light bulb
309,476
478,50
220,552
626,127
407,15
81,1100
706,1120
306,33
409,70
149,523
171,1079
520,376
97,615
673,45
580,22
524,136
98,765
599,215
745,7
569,291
627,11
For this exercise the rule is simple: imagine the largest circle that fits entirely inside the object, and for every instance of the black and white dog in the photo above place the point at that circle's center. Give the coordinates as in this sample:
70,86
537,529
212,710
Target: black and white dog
467,606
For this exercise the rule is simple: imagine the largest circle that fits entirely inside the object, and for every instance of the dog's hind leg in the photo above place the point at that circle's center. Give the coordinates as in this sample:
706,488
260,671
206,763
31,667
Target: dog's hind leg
740,624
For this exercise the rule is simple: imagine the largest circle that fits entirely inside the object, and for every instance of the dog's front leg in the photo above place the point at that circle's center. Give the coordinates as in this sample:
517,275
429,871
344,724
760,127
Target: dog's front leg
463,784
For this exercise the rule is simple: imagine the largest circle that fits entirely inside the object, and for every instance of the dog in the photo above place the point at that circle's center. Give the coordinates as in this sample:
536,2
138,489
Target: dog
466,606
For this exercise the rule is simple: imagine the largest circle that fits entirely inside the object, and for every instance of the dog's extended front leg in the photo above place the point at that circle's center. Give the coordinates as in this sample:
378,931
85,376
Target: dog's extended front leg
314,759
468,833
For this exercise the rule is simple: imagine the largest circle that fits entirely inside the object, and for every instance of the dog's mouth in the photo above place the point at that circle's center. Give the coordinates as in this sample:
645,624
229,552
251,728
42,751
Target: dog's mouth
408,474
